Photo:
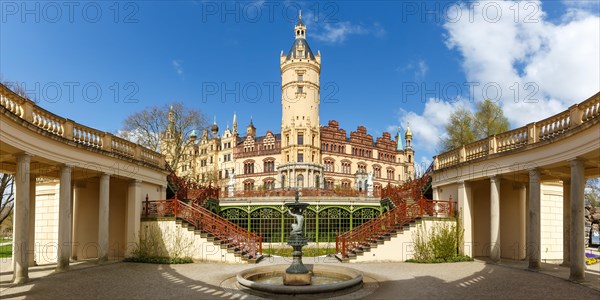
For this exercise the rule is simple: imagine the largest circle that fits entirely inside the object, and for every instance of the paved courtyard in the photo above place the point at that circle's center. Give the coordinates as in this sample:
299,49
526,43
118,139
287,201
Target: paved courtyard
474,280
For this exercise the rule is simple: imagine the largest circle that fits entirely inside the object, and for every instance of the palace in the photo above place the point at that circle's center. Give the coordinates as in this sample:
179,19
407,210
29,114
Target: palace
305,154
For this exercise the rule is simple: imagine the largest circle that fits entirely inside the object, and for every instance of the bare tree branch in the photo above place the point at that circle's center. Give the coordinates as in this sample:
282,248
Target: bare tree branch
7,192
148,127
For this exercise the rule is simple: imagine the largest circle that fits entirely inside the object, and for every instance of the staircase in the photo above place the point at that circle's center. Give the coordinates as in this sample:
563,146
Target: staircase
210,226
409,208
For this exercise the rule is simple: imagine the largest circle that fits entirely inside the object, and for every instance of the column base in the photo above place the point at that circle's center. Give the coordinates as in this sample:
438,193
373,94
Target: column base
534,267
20,280
577,278
62,266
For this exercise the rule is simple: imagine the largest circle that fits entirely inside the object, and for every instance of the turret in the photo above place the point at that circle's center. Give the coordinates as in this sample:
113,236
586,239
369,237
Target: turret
408,138
214,129
251,130
300,100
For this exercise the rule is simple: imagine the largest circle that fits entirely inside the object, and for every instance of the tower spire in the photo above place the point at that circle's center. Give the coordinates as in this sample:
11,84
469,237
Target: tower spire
300,29
234,125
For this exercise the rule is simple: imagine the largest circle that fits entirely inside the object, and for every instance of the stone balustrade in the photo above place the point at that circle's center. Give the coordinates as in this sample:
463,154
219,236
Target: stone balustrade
554,127
78,133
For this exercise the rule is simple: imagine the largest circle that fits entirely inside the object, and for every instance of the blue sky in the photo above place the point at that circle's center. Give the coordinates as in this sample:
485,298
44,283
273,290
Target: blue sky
384,63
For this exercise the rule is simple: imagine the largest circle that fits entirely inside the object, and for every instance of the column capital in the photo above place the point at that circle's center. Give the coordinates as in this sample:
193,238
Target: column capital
135,182
576,161
23,154
535,172
463,183
495,177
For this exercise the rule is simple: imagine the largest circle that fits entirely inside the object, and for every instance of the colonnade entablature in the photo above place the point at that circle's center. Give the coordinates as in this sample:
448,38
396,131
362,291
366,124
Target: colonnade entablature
549,142
23,118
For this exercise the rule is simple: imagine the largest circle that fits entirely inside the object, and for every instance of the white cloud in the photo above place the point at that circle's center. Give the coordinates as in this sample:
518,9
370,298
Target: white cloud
322,29
429,126
419,69
177,66
541,67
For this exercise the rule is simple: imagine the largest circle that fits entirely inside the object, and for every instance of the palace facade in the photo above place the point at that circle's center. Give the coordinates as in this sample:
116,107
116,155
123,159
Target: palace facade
304,154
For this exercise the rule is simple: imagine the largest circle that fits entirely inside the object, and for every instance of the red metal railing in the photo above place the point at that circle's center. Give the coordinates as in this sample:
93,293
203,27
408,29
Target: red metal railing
390,221
394,219
206,221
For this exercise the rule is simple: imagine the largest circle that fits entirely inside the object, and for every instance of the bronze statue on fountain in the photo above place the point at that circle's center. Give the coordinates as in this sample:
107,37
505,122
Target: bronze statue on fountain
297,273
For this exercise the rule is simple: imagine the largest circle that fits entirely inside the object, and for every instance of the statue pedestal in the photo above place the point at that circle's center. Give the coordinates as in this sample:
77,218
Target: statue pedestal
230,189
297,279
297,273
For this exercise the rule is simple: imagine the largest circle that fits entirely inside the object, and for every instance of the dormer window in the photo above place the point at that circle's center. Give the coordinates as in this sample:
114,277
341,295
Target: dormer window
300,90
300,77
300,53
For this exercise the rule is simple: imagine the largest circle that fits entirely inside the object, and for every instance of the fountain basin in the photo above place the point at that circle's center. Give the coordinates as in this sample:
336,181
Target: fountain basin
325,278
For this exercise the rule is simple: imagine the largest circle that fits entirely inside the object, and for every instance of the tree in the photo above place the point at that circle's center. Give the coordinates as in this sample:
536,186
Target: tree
592,192
8,196
465,126
150,126
459,129
489,119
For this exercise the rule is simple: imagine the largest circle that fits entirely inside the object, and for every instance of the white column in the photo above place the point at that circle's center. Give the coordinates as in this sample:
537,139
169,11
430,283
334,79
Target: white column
577,221
64,219
465,209
495,218
435,194
103,217
566,222
21,220
278,180
533,228
76,198
295,180
134,208
521,252
322,180
31,249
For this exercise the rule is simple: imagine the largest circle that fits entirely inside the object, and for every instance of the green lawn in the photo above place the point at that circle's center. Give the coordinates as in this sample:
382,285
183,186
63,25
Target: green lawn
6,251
3,239
307,252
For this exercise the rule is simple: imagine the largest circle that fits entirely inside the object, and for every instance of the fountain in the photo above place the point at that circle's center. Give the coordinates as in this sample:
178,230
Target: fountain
297,273
299,278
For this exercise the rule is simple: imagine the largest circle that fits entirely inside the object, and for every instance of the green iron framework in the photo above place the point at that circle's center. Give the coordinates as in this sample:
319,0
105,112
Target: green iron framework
321,223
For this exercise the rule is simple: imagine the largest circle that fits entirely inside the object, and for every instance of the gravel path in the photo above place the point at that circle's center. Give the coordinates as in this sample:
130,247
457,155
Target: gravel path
471,280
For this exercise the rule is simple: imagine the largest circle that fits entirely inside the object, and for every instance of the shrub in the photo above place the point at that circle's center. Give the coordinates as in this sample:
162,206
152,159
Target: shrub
440,244
152,248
